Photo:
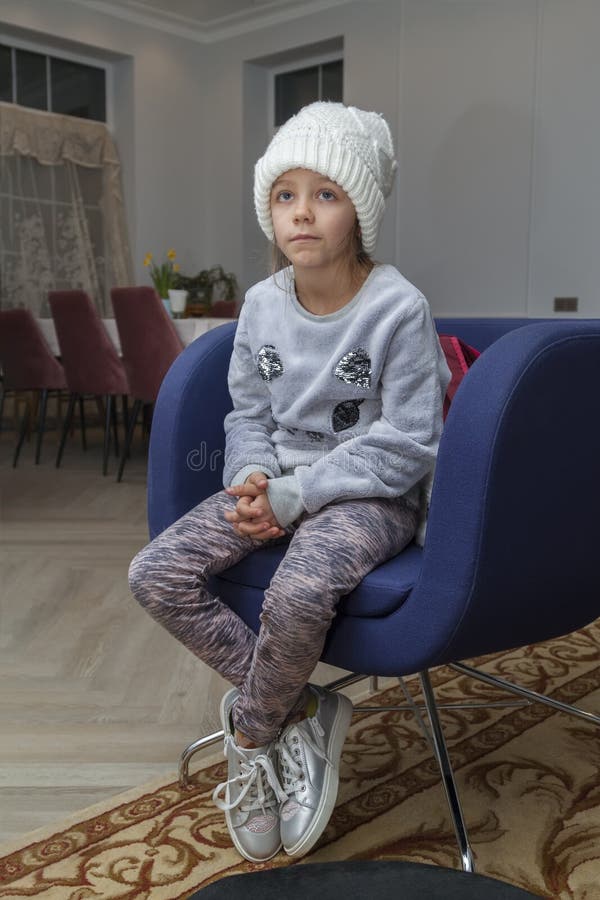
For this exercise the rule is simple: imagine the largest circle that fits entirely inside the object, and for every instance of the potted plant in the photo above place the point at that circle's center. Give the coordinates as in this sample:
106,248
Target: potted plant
206,287
163,276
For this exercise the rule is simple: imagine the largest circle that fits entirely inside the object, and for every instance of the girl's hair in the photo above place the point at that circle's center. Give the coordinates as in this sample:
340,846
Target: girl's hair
359,260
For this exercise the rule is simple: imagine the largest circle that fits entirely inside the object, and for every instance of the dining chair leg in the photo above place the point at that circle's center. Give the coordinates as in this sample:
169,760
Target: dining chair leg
148,410
115,427
107,427
130,429
125,408
66,427
2,396
22,433
82,422
41,424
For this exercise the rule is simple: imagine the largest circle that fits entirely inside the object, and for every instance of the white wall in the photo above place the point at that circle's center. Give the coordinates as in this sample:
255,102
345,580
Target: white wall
466,133
565,233
495,108
500,139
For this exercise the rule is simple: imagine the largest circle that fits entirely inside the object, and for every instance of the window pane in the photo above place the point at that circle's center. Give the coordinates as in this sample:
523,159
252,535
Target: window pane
5,74
78,90
293,90
31,79
333,81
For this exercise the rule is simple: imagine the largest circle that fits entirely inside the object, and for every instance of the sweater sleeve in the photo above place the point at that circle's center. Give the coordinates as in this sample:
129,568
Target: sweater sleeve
249,426
400,448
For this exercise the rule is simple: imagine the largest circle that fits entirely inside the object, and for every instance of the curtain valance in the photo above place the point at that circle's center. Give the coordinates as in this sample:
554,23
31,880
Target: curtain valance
51,138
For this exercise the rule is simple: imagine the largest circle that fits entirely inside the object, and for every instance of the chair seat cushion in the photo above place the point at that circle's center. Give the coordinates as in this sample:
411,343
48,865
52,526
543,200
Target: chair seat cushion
380,593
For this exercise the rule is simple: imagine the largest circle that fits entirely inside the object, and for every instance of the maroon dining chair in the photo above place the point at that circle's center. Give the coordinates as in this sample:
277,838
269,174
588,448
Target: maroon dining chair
149,344
27,365
224,309
91,363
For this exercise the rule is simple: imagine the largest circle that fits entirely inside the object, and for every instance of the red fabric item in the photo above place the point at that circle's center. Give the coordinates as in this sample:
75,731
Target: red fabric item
460,357
91,362
149,341
26,359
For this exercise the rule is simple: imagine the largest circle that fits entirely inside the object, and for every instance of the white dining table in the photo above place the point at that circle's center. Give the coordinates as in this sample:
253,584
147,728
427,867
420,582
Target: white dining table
187,329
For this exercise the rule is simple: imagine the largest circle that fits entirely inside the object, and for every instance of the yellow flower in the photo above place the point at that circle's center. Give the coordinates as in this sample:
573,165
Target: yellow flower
163,275
176,267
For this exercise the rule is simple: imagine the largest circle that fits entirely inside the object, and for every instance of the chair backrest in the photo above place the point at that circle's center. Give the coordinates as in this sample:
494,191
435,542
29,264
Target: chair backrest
26,359
511,543
91,362
149,342
224,309
482,331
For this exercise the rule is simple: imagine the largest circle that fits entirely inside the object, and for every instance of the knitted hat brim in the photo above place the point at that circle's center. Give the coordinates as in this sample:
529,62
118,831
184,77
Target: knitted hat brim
347,171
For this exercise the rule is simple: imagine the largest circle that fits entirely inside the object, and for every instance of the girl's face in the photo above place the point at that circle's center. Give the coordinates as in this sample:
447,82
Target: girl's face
313,220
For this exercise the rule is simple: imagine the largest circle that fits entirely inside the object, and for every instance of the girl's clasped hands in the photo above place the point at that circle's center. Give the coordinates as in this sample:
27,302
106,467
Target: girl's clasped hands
253,516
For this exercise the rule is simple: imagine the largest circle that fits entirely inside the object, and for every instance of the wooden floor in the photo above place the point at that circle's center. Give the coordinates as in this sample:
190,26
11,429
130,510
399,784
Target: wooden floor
95,698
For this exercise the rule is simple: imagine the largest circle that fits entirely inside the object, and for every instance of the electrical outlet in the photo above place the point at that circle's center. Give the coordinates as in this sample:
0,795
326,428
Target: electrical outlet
566,304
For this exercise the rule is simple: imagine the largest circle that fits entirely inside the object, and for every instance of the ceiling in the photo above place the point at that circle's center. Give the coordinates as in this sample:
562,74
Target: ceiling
208,20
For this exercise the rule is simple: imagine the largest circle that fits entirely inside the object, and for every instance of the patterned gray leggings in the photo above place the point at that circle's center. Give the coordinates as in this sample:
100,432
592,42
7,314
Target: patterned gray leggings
329,554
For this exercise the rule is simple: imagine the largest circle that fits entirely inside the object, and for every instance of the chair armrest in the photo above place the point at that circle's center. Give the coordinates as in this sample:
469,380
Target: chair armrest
187,441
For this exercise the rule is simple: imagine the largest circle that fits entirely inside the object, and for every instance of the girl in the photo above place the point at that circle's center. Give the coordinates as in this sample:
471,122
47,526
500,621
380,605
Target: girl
337,380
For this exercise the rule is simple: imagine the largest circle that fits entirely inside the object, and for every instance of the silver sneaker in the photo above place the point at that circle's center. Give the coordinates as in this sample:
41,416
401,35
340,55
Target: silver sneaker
309,757
252,793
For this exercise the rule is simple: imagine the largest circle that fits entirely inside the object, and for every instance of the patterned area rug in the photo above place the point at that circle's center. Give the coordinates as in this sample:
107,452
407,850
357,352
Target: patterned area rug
529,782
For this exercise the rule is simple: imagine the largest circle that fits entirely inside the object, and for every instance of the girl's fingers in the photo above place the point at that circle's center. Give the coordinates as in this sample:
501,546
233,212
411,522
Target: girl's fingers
243,490
258,530
246,511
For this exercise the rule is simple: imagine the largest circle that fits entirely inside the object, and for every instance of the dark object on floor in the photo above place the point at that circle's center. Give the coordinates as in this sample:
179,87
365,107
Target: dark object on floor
360,881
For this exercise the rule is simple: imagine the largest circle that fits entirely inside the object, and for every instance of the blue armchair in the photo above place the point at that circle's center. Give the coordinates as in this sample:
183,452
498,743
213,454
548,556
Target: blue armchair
510,556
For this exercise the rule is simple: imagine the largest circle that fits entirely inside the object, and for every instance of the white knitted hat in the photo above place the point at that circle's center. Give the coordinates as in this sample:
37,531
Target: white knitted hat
352,147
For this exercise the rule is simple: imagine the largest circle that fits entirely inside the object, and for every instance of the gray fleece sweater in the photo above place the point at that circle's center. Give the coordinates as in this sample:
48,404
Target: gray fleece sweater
335,407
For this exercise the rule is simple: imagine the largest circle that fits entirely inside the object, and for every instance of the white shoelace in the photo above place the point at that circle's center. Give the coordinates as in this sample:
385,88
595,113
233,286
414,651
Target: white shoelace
290,757
260,787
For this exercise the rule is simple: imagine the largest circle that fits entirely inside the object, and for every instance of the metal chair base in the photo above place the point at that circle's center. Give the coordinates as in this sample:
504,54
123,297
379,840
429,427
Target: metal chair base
435,738
439,746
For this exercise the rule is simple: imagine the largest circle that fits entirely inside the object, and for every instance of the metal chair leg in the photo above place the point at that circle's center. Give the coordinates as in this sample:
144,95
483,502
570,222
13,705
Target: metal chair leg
66,427
125,408
184,762
115,428
131,427
22,433
532,696
41,424
107,426
82,423
443,759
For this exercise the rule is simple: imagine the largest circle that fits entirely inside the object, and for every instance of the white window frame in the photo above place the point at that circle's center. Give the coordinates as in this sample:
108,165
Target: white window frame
302,63
48,50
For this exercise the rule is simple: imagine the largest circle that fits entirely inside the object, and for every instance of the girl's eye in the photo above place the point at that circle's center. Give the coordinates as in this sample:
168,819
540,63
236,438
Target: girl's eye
326,194
284,195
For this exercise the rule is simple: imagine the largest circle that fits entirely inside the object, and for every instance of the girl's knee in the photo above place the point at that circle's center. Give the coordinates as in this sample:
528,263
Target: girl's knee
146,569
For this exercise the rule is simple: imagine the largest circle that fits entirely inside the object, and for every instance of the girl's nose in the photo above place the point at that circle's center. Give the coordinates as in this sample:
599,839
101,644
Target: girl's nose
302,212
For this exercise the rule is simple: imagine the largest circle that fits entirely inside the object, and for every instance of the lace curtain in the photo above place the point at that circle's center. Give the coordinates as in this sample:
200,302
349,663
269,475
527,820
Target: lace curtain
62,219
